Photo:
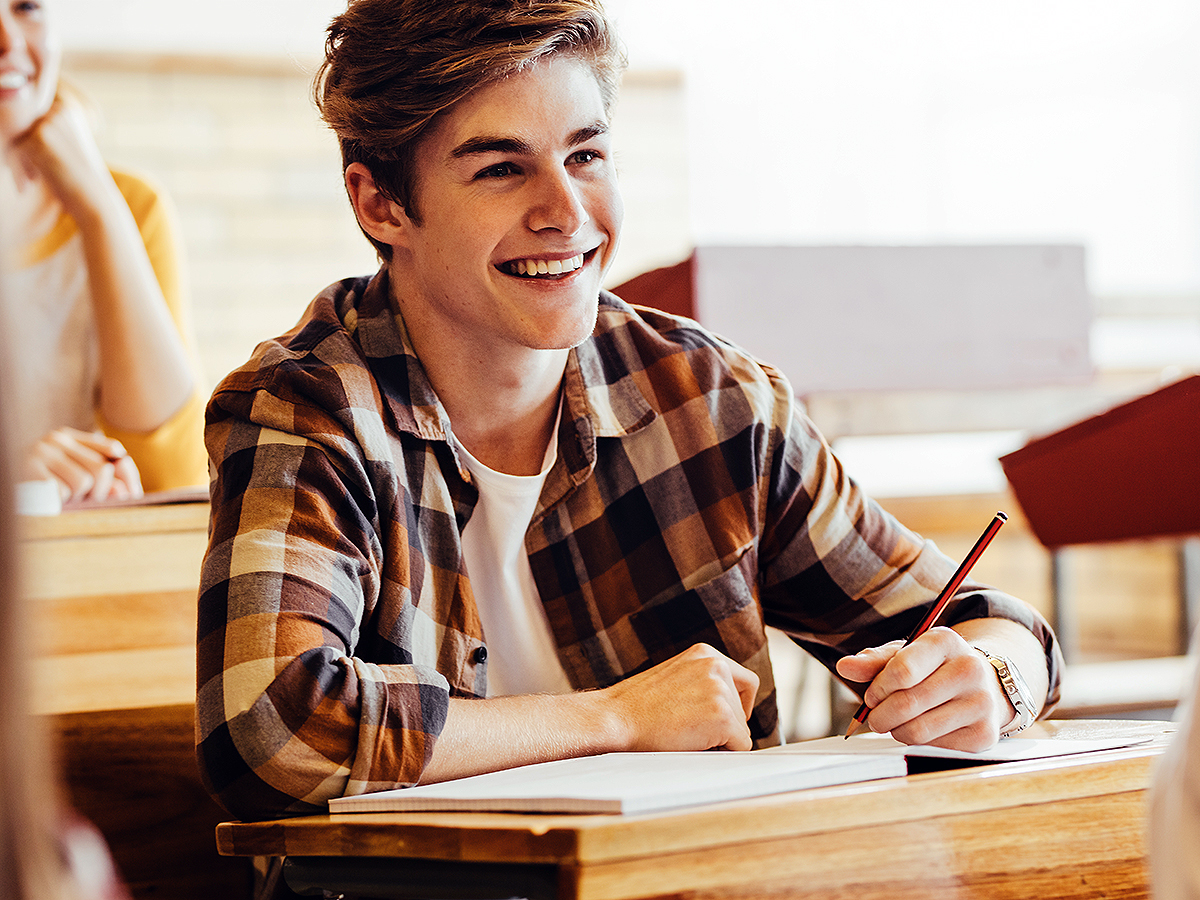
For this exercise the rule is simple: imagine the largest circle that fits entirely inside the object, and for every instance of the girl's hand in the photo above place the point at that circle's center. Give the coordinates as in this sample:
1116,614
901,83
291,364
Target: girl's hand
59,149
86,465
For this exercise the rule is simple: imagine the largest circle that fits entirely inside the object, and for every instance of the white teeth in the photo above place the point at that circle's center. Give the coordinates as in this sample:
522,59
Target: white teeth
545,267
12,80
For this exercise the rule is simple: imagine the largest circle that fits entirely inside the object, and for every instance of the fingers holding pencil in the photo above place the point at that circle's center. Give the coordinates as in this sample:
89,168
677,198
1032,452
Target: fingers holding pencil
940,602
936,689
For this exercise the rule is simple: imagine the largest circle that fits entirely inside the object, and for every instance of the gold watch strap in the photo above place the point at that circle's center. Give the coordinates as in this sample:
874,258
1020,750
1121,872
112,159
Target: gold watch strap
1016,690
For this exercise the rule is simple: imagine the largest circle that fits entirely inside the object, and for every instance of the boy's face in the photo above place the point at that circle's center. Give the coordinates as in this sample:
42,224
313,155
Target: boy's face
517,178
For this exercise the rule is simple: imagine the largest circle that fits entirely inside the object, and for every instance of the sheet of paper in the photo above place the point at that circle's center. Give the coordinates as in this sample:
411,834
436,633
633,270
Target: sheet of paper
1006,750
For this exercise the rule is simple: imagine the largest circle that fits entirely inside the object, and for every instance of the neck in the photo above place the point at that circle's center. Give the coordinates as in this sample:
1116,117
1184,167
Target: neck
22,197
510,439
502,400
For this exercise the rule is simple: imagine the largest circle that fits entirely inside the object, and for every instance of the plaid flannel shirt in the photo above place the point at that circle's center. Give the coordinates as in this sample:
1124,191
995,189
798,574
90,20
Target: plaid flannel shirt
691,501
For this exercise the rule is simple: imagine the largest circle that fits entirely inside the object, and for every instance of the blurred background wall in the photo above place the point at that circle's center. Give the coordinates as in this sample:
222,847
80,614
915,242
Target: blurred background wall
785,121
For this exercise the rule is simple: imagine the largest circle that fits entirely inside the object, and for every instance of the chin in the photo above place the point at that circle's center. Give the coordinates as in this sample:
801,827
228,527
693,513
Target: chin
566,340
575,333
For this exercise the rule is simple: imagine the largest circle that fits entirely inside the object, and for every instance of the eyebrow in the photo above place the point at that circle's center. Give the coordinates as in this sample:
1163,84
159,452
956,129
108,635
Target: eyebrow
517,147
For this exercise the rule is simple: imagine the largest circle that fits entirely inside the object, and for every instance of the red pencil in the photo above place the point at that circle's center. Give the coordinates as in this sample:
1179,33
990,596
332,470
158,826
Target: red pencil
942,599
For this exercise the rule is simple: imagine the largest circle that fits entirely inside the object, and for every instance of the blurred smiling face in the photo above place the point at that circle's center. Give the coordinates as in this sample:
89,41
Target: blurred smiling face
30,58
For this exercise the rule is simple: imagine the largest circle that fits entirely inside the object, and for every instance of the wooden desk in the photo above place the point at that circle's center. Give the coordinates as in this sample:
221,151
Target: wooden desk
113,593
1067,827
113,598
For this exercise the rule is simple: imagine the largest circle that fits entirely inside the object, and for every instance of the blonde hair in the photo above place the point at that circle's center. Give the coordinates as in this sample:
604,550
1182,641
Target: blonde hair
393,66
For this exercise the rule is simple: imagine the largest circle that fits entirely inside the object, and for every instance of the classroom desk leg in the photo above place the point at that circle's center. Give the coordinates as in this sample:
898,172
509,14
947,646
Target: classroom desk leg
1065,625
1189,591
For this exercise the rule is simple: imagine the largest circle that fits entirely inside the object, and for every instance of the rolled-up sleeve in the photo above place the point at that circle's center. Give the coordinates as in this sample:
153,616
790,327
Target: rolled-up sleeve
289,712
865,578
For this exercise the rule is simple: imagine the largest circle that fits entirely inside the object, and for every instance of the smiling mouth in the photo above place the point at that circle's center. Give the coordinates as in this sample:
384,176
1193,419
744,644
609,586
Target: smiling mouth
13,80
543,268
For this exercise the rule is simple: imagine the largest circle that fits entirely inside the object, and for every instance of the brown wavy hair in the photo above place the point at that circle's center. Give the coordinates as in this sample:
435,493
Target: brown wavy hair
393,66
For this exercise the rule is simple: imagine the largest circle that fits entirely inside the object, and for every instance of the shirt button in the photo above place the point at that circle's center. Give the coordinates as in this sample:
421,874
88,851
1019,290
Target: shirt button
480,655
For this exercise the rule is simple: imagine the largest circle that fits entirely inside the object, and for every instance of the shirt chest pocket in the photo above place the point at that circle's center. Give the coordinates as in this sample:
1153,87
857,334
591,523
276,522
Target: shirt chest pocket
723,612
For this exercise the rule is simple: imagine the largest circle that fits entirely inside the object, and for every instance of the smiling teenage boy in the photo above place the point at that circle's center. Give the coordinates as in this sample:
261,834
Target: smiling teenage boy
474,512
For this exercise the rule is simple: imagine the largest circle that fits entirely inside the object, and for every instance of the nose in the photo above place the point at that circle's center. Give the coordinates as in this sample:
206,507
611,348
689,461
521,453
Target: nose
10,35
558,204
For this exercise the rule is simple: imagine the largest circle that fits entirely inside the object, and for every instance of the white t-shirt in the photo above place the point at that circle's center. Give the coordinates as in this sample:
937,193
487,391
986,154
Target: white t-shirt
46,313
522,658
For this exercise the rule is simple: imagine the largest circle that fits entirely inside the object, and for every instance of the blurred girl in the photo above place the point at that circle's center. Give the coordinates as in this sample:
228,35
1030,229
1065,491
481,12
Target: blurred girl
107,400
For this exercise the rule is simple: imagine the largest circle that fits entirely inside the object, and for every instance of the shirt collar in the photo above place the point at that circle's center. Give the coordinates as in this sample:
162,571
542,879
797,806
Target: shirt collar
600,397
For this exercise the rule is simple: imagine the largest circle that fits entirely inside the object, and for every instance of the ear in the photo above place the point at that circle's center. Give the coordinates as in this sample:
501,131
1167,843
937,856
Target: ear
379,216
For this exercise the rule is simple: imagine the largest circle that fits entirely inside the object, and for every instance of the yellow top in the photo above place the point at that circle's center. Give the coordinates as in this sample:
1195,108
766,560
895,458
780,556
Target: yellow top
173,454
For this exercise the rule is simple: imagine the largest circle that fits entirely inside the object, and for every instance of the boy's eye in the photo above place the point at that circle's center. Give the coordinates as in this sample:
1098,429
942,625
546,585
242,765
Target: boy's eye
586,156
500,170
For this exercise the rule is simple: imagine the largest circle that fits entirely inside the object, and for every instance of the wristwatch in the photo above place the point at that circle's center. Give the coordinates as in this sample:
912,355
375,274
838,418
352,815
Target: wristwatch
1016,690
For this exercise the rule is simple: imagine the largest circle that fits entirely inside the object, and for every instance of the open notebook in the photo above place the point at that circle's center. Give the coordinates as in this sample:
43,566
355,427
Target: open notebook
631,782
651,782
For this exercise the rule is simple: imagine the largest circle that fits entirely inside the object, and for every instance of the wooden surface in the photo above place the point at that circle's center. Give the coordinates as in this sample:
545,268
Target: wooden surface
133,774
1066,827
114,596
113,592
